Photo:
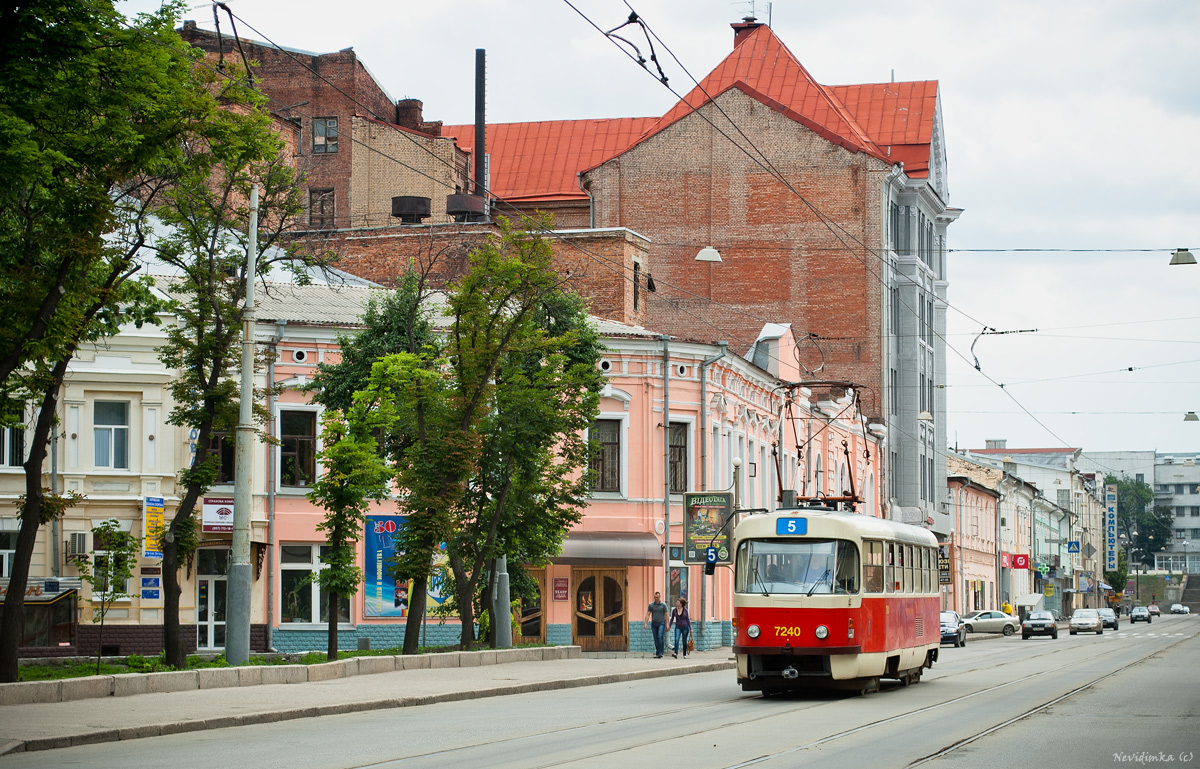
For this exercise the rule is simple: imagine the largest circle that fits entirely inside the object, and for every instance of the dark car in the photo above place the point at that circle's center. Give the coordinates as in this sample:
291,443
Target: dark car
1140,614
1039,623
954,631
1110,618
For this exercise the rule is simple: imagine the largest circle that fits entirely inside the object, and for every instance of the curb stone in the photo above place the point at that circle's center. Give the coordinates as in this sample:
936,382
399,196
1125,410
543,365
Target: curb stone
250,719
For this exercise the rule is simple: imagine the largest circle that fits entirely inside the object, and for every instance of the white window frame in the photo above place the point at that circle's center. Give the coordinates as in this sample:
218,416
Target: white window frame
7,434
7,555
623,435
691,437
316,599
110,439
318,470
97,591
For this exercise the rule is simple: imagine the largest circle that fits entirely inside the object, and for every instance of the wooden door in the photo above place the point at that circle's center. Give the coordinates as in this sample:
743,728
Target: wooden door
601,610
533,613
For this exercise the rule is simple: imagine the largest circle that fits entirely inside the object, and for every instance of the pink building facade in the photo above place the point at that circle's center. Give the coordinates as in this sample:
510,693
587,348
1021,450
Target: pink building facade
974,582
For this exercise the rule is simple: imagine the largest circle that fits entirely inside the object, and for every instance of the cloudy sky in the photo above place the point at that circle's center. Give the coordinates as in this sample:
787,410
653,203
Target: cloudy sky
1071,125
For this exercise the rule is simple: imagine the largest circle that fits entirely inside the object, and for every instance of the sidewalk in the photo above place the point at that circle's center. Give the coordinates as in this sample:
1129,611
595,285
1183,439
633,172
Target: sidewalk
44,726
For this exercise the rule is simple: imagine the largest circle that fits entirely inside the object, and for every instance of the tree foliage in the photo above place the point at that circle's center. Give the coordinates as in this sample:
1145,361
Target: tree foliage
354,473
1147,528
108,573
492,415
93,116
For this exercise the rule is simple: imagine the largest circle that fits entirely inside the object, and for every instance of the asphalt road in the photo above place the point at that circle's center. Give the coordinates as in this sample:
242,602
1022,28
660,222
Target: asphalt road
1078,702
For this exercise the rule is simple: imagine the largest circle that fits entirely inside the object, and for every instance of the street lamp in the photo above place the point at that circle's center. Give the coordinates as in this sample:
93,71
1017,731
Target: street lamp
1182,256
1185,560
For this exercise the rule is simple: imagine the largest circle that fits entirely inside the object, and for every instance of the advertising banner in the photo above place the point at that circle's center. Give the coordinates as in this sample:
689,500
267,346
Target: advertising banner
706,527
383,597
152,526
217,514
1110,527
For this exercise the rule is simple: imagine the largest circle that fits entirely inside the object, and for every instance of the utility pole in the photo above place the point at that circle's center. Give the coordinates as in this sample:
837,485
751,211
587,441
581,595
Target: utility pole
237,630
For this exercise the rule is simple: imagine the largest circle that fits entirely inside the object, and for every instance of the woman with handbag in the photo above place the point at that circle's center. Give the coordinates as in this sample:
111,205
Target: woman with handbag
683,627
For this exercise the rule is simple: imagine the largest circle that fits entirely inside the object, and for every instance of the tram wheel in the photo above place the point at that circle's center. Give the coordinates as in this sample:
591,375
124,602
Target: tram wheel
872,685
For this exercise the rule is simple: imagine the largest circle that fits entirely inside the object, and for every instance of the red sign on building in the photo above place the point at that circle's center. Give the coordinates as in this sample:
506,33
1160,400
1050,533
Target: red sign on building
1020,561
560,589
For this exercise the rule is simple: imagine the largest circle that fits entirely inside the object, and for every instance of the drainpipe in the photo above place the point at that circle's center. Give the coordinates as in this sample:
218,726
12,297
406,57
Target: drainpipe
272,458
666,340
591,201
704,364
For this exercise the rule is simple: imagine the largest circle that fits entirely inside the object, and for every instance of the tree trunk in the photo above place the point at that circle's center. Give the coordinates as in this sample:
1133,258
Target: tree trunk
331,652
490,604
12,625
100,642
416,614
173,651
466,602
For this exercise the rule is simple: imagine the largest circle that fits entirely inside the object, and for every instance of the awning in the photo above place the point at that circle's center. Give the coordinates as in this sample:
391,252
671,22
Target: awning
1105,587
1033,599
611,548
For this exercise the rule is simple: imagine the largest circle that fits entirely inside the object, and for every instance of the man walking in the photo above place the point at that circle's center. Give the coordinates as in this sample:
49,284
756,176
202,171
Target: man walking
656,620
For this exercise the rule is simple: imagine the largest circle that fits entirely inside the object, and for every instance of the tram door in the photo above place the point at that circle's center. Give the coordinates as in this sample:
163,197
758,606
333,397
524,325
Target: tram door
601,610
212,568
533,613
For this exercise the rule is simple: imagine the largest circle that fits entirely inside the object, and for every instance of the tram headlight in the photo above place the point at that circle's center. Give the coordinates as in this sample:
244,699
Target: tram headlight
822,632
752,631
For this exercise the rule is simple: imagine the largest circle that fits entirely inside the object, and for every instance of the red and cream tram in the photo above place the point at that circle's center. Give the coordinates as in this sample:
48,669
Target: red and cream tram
826,599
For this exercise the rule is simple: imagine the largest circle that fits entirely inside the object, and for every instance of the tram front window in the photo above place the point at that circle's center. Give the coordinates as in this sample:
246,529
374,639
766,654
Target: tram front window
811,567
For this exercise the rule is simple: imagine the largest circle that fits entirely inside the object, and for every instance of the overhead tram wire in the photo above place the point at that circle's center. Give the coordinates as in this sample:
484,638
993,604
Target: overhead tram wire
595,257
820,214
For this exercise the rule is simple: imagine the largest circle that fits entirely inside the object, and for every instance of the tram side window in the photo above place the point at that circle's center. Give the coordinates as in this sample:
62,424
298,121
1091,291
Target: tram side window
908,568
873,566
924,570
892,575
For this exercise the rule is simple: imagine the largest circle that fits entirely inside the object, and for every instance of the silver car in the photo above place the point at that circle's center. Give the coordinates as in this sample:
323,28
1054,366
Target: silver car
991,622
1087,620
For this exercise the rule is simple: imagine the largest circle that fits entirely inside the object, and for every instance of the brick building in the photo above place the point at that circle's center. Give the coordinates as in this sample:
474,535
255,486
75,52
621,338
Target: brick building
828,206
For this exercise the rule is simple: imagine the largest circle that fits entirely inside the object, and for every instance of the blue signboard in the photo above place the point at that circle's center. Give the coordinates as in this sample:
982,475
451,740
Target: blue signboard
150,595
1072,547
791,526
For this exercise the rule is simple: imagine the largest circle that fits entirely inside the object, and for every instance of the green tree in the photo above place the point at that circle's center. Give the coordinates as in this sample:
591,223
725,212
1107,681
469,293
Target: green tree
494,414
92,115
114,555
354,473
205,215
1146,527
532,477
396,322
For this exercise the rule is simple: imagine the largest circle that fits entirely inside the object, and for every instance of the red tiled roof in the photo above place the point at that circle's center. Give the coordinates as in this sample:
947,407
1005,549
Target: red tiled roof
898,117
893,121
762,66
539,161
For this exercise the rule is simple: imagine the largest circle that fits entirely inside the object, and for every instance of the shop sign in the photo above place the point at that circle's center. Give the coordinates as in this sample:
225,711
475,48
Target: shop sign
561,589
707,535
217,514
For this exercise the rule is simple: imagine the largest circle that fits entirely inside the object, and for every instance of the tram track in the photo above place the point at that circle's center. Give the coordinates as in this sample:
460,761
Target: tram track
683,713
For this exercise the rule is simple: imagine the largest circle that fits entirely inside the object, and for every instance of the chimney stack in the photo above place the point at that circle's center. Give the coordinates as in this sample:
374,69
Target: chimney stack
743,30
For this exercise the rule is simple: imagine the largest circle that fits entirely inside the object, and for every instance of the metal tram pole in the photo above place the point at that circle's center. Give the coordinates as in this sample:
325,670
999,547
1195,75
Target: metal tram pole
237,630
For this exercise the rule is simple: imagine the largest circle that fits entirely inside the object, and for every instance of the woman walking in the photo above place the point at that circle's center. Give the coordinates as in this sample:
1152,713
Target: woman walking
683,626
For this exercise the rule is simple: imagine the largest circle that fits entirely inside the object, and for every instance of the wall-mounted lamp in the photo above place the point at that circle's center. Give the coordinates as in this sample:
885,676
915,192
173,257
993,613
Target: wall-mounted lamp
710,254
924,416
1181,256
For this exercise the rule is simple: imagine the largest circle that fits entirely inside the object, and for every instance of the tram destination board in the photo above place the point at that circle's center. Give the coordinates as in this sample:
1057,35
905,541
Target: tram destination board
785,527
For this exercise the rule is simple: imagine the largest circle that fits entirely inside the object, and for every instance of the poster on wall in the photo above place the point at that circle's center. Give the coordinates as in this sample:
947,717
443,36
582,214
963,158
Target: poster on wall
707,526
383,596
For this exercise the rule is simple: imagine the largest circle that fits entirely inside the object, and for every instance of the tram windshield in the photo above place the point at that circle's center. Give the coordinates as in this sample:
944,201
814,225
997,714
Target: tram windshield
808,567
